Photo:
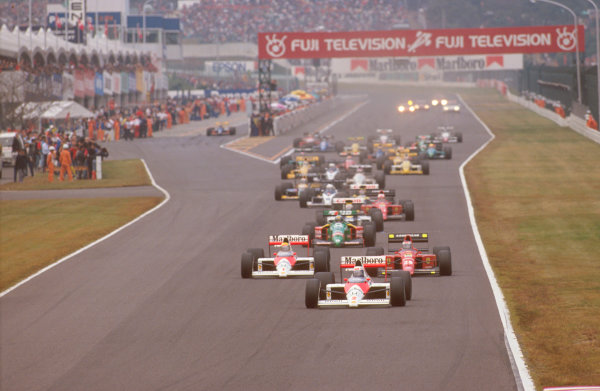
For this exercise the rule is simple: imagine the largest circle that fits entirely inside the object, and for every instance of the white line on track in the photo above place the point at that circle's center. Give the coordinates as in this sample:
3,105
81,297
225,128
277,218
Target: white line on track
276,161
520,371
66,258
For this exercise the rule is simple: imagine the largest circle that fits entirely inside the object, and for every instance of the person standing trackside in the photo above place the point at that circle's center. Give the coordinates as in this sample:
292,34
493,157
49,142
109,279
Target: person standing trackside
50,163
65,163
21,165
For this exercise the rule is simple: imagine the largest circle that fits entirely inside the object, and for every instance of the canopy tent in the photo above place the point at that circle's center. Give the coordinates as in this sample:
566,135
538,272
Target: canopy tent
56,110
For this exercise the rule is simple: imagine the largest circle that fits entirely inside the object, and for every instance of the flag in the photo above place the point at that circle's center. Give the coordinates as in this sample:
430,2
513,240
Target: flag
81,24
57,22
139,32
105,28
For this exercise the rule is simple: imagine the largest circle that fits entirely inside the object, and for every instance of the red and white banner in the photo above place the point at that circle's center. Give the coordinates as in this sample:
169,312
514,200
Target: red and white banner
428,64
408,43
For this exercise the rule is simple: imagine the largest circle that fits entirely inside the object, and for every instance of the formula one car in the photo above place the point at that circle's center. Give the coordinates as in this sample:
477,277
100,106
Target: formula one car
221,129
436,150
355,149
340,234
451,107
319,197
292,190
358,290
352,213
446,135
402,165
383,140
362,177
417,261
284,262
317,143
300,166
404,210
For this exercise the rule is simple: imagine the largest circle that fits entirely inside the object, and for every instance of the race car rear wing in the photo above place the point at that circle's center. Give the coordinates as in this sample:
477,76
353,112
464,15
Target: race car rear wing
276,240
330,212
399,238
367,261
338,203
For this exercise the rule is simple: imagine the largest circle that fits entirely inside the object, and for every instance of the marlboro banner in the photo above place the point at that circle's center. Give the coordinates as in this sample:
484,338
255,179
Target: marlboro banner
408,43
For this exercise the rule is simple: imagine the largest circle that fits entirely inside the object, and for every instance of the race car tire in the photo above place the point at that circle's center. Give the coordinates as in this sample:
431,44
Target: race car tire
339,146
285,170
321,161
409,210
320,217
379,162
436,249
309,229
398,140
397,292
422,156
380,179
362,157
303,198
405,275
278,192
312,292
445,263
256,252
369,233
370,146
325,278
425,167
459,137
247,264
297,142
232,131
447,152
287,185
377,218
209,131
387,167
321,264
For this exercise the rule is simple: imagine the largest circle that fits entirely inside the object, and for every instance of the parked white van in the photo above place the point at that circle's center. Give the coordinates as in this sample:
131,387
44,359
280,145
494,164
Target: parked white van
8,156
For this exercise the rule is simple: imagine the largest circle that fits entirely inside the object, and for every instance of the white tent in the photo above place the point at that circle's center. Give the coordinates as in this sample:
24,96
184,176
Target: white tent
55,110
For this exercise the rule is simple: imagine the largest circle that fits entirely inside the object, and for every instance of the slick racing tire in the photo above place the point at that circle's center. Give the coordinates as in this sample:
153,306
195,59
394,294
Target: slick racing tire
247,265
256,252
320,217
339,146
425,167
285,170
297,142
458,137
371,271
311,294
278,192
387,167
397,292
379,162
209,131
398,140
304,197
405,275
321,264
369,233
445,263
232,131
309,229
448,153
409,210
436,249
380,179
377,218
325,278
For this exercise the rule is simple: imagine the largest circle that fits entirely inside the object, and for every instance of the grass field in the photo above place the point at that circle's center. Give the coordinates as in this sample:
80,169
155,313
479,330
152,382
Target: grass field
35,233
115,173
536,193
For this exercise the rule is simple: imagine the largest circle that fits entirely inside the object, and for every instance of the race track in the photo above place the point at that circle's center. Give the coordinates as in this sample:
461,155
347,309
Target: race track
161,305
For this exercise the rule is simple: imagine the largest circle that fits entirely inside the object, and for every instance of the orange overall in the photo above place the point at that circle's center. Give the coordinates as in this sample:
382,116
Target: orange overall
65,164
50,166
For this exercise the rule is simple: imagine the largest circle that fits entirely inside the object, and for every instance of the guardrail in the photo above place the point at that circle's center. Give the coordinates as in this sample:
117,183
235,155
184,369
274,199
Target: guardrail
284,123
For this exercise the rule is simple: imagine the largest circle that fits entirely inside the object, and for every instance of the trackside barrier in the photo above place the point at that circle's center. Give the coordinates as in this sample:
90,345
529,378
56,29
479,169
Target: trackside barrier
577,124
284,123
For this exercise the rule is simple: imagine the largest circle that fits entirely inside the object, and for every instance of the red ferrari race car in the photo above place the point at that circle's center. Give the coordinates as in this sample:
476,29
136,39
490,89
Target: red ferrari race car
284,262
404,210
358,290
418,261
221,129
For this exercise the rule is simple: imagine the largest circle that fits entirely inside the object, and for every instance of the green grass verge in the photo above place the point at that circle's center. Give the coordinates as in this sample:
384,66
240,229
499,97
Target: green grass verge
115,173
536,193
36,233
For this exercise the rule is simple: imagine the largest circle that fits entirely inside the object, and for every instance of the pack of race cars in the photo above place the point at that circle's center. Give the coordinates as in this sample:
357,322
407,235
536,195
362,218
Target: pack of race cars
346,182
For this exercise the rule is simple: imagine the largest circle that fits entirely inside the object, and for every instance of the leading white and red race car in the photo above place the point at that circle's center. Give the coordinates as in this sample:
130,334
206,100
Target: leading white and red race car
284,262
359,290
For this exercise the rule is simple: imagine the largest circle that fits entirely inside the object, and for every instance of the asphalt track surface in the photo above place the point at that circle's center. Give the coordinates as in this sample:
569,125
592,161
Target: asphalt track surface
162,306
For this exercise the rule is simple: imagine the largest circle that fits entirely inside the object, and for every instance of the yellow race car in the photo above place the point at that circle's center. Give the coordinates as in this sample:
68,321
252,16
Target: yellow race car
402,165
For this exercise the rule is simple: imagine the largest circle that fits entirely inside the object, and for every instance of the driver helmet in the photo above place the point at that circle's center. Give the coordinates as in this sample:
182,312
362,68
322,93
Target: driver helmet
358,272
362,191
285,247
329,189
359,169
332,167
431,145
338,219
348,205
406,245
381,196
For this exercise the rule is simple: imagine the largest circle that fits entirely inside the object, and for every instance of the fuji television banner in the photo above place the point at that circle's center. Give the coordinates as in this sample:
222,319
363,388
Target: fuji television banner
427,64
411,43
